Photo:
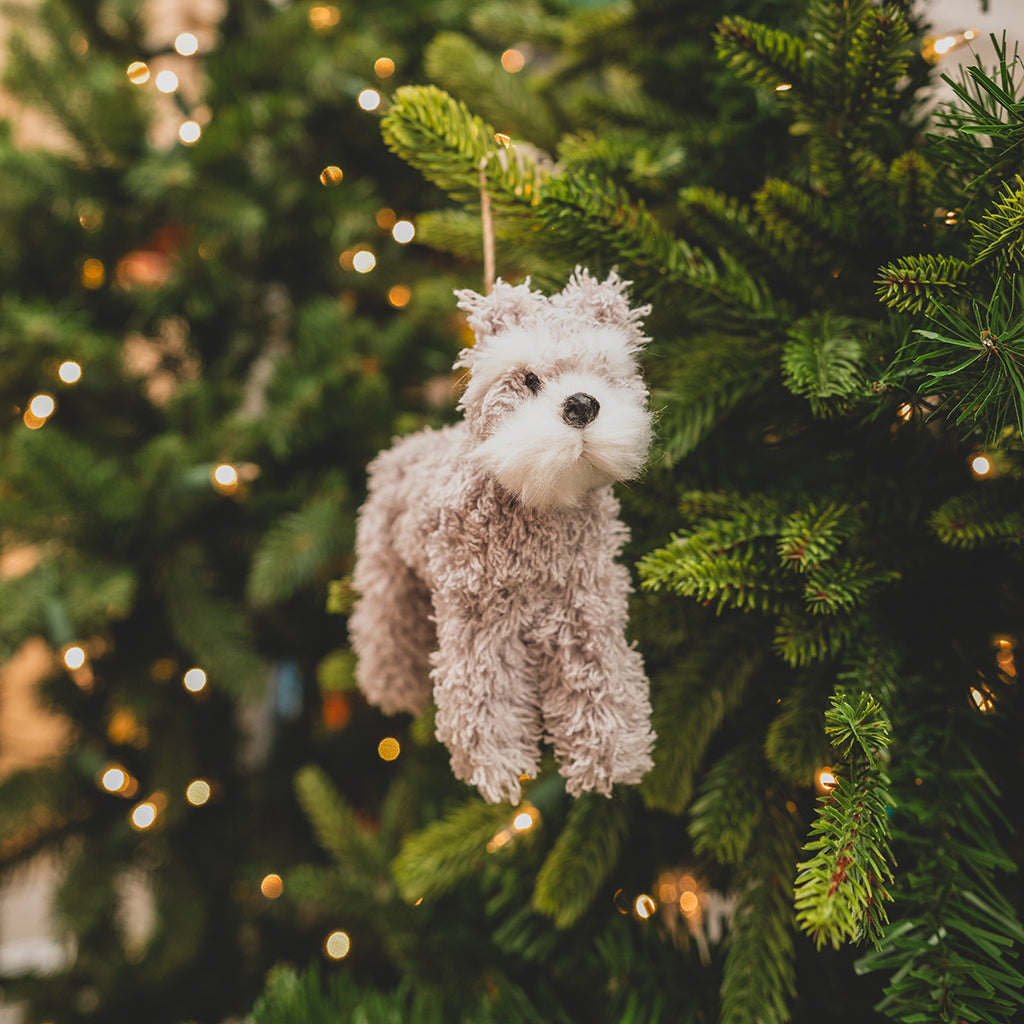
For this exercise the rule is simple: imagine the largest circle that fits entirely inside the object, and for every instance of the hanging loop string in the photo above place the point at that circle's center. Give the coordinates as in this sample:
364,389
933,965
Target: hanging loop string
488,229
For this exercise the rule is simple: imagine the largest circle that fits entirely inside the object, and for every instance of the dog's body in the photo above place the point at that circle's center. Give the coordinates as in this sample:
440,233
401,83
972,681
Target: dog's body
486,551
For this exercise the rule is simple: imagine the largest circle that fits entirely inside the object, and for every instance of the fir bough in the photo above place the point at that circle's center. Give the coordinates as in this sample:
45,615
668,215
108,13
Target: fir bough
951,952
840,892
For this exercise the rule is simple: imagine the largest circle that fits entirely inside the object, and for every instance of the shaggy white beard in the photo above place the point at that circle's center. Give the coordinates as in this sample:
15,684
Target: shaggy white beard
546,463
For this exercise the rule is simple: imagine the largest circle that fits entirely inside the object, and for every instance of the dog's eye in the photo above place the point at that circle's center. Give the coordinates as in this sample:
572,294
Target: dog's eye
532,381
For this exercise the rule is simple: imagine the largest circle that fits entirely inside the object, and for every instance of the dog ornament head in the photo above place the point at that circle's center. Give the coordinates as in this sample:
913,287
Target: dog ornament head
555,404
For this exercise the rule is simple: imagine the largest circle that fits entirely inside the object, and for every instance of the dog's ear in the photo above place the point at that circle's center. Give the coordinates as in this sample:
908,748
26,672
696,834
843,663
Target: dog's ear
506,307
603,303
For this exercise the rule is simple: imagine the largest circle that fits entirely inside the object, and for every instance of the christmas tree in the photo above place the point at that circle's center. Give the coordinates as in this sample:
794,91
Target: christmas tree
825,543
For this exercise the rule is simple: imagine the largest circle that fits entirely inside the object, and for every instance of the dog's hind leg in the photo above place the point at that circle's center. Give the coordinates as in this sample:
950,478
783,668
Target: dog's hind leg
390,627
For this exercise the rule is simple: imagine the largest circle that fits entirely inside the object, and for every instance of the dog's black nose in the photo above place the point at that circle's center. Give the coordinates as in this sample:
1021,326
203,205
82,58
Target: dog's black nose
578,410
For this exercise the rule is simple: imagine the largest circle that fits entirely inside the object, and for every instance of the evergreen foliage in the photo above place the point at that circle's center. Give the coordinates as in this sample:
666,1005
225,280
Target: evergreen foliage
815,561
840,891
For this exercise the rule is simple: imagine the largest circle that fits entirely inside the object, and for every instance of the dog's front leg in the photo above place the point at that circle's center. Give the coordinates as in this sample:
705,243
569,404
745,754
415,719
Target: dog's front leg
595,699
487,713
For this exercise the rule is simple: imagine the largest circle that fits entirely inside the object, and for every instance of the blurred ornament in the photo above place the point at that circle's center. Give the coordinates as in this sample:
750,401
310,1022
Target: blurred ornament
93,274
336,710
124,729
162,362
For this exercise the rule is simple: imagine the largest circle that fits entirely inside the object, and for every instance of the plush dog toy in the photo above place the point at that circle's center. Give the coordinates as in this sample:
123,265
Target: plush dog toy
485,552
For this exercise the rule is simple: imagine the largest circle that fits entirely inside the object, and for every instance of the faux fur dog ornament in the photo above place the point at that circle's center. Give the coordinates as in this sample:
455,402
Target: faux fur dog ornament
485,552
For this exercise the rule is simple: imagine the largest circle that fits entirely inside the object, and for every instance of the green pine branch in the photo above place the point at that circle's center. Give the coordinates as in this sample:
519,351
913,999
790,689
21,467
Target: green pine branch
801,223
299,547
951,954
210,626
722,222
840,891
795,744
726,812
438,135
726,561
843,585
598,216
823,361
693,699
802,639
704,385
975,519
581,859
455,63
812,535
878,58
975,363
336,825
762,55
1000,232
759,976
912,284
450,850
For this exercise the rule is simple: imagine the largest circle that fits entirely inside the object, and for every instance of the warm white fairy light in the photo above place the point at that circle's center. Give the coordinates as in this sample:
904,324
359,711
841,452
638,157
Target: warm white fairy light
186,44
324,16
404,231
399,295
114,779
138,72
194,680
337,945
513,60
42,406
225,478
644,906
189,132
197,792
983,699
166,81
369,99
69,372
981,465
272,886
388,748
825,780
143,815
74,657
363,261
